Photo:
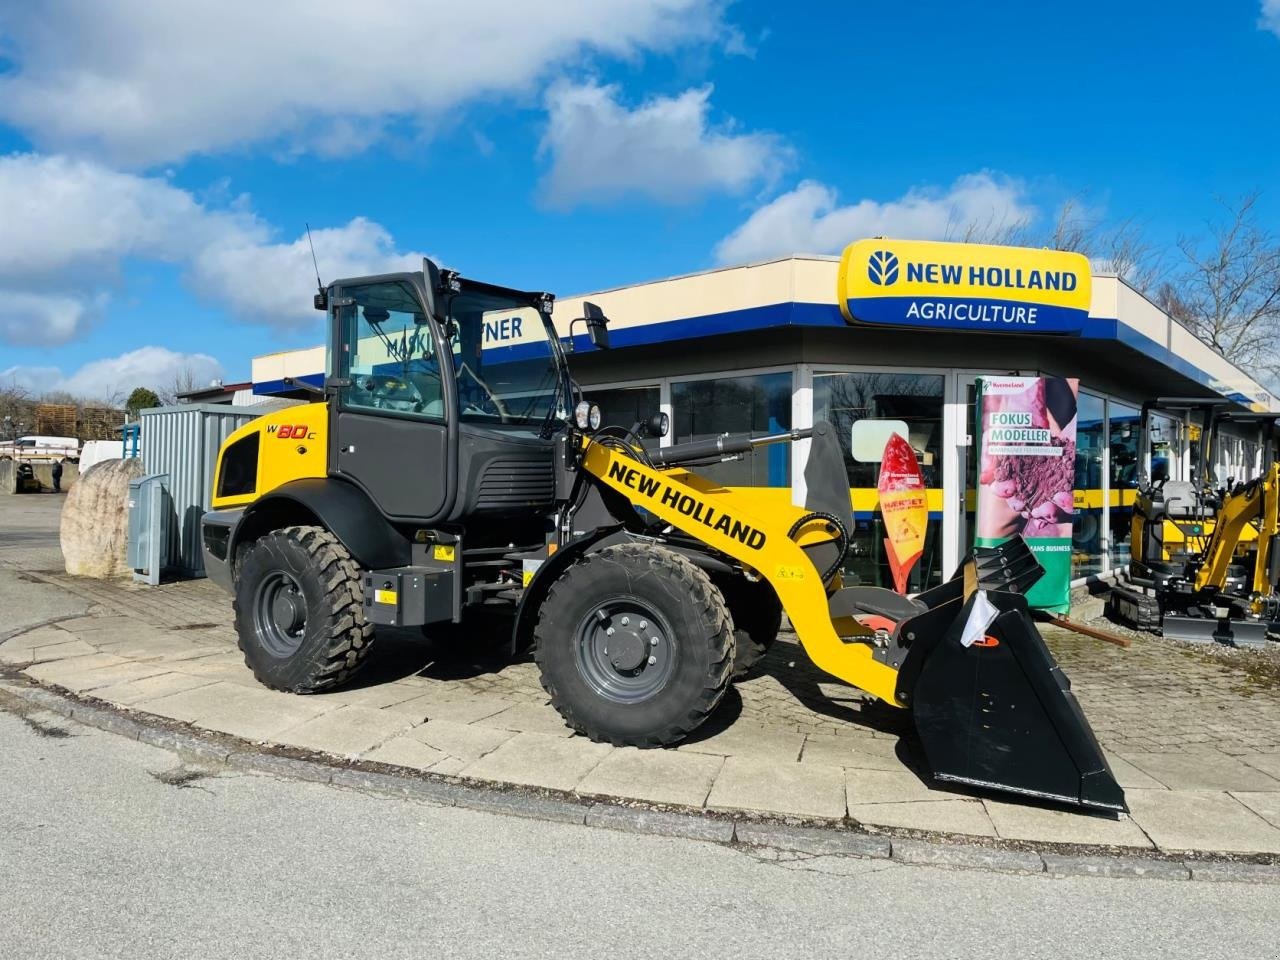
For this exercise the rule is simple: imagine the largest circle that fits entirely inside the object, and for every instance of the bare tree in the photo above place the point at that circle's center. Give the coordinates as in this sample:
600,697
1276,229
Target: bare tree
1228,290
184,381
16,411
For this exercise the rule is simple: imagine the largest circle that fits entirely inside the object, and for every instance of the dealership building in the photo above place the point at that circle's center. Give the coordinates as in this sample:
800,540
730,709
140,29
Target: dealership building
766,347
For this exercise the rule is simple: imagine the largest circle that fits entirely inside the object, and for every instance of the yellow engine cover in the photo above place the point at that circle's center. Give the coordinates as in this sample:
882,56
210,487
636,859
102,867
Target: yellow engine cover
291,444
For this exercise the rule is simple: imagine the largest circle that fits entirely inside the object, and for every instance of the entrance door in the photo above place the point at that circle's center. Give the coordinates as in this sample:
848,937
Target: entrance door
391,436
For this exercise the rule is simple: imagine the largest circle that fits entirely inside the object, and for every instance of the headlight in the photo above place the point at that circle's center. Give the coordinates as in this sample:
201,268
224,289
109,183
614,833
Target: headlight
582,414
593,417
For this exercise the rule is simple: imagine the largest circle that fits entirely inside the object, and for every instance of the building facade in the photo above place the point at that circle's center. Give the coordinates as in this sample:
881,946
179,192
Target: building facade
765,348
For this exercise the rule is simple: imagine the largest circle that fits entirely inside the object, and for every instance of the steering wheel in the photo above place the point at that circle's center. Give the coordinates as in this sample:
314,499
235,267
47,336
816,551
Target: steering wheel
391,393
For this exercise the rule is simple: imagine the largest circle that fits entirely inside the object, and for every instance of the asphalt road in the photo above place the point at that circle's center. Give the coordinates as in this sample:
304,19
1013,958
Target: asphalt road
109,848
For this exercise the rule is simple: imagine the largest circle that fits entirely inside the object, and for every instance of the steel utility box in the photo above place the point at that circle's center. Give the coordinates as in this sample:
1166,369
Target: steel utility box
148,526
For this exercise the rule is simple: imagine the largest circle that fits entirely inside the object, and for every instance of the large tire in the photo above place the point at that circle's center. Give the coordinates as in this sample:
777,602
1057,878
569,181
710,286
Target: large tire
673,649
757,618
299,606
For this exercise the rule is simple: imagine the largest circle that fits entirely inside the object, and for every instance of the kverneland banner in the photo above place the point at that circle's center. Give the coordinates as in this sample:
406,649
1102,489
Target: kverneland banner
1026,475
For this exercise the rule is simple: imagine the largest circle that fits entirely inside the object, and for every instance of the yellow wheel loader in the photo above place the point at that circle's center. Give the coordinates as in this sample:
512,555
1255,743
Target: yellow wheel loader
449,463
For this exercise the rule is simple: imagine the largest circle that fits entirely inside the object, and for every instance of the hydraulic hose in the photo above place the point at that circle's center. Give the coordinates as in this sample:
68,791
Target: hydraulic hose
836,522
725,445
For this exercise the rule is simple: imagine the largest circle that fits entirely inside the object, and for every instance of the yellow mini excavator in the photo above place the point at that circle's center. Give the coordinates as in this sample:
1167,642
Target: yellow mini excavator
448,462
1203,567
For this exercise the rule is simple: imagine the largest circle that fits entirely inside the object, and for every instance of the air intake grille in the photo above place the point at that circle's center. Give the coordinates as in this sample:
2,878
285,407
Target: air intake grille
509,482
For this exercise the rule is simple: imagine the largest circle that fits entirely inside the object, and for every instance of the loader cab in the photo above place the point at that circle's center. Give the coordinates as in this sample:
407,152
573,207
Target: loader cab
447,395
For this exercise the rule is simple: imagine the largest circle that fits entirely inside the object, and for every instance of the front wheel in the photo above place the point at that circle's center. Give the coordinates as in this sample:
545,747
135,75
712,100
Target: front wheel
299,611
634,645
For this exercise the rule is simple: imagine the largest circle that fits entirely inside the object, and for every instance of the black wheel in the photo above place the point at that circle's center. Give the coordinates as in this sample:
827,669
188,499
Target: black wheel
299,610
757,618
634,645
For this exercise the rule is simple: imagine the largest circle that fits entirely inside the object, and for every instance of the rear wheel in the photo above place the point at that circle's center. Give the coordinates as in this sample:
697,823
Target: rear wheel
757,618
634,645
299,611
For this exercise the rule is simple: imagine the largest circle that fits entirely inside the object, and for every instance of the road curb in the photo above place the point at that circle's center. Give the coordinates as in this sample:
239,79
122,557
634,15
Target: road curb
918,849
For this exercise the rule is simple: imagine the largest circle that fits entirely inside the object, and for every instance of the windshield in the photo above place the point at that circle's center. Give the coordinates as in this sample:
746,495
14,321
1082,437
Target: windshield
507,363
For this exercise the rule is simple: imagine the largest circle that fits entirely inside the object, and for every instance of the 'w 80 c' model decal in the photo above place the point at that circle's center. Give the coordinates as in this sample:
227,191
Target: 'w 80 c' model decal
291,431
687,504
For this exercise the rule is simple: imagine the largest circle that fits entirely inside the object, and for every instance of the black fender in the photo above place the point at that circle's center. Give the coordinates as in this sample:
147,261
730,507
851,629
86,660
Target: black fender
548,573
340,507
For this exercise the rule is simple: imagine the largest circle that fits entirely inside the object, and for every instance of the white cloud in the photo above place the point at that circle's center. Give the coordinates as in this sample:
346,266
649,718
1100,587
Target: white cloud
666,148
115,377
142,82
1270,19
69,225
809,218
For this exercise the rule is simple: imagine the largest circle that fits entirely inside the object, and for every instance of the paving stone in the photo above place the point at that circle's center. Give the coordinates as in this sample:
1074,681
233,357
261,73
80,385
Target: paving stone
90,679
413,787
58,651
1063,865
529,718
886,786
540,760
856,752
660,823
1235,872
459,709
1130,777
1181,820
150,688
182,743
967,857
462,741
785,789
1264,804
1020,821
346,731
22,645
1268,763
820,843
377,697
250,712
749,741
657,776
1202,771
967,817
406,752
70,673
449,766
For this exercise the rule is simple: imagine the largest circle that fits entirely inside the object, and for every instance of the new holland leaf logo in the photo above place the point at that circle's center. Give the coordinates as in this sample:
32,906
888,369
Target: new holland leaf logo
882,268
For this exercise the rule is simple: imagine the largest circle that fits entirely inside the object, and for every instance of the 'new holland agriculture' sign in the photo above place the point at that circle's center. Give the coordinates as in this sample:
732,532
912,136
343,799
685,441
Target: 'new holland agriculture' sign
964,286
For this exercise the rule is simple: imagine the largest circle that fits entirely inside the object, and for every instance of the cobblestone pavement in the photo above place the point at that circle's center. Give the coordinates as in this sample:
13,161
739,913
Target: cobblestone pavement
1193,737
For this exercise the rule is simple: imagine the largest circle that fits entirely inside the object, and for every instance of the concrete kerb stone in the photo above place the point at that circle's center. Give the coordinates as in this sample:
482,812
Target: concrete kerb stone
817,841
813,840
660,822
926,853
1060,865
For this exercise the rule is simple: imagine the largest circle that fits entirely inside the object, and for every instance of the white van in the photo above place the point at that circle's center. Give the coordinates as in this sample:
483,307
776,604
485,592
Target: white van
34,449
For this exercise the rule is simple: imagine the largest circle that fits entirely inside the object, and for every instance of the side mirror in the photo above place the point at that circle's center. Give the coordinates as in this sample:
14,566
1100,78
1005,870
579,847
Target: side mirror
597,325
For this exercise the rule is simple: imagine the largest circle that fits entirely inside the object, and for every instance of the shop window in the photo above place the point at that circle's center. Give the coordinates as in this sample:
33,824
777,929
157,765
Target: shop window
626,406
1124,428
917,400
759,404
1087,556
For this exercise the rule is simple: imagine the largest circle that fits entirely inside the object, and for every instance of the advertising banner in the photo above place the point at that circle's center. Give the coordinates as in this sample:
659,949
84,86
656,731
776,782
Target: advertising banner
964,286
1026,474
904,508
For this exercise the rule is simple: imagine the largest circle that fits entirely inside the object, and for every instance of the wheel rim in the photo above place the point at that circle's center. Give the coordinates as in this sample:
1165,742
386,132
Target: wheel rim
625,650
280,614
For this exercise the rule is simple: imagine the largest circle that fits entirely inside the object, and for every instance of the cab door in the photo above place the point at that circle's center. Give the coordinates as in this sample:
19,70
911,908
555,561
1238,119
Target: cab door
392,434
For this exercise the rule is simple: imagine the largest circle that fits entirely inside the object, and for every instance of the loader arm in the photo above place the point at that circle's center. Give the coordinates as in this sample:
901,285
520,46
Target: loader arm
1256,501
736,524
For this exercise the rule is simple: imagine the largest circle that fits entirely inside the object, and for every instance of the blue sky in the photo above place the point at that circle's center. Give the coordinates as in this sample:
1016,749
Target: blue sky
158,161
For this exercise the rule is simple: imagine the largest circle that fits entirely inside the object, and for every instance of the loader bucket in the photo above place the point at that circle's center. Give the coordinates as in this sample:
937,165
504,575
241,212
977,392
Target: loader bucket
999,714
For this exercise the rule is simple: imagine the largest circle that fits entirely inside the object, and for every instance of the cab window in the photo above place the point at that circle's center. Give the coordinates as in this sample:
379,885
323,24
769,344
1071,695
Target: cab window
388,353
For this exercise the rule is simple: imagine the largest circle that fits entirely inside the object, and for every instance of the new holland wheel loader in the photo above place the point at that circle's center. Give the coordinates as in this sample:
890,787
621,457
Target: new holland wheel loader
448,464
